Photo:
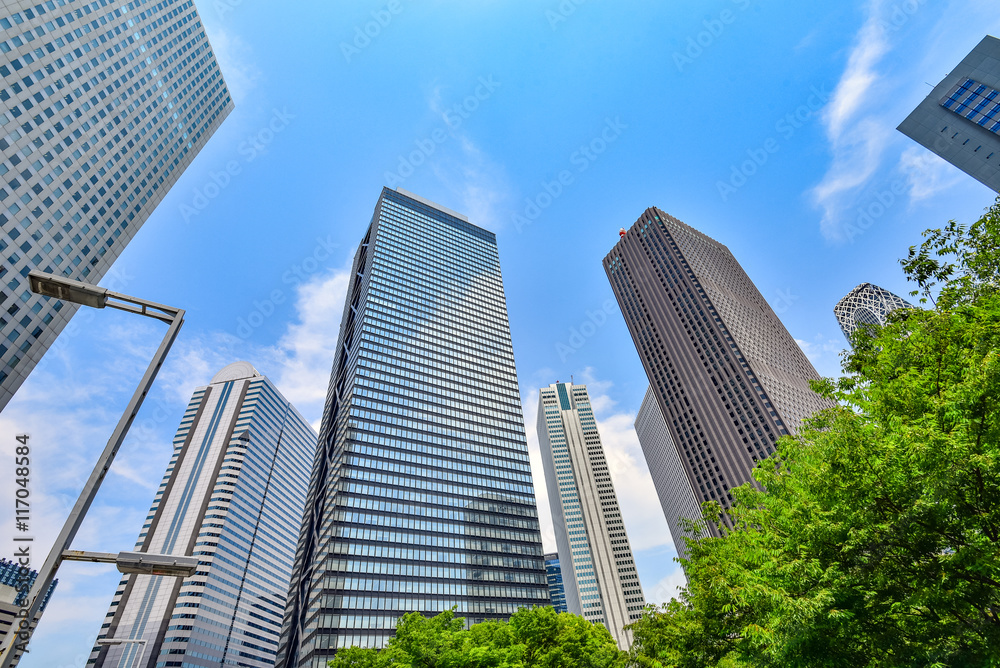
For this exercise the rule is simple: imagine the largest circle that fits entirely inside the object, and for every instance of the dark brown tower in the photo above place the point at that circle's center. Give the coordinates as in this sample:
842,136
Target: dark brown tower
728,377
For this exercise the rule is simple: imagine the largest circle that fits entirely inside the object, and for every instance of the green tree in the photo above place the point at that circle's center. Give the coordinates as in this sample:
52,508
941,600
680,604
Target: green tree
535,638
877,540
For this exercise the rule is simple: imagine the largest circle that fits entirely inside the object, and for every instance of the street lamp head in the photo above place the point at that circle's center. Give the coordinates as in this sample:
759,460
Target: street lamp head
49,285
156,564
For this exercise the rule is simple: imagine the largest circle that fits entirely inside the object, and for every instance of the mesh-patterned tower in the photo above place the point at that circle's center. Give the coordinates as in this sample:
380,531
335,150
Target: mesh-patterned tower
599,574
726,374
421,496
867,304
103,105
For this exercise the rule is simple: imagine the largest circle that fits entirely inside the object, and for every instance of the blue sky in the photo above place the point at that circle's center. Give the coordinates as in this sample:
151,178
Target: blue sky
768,126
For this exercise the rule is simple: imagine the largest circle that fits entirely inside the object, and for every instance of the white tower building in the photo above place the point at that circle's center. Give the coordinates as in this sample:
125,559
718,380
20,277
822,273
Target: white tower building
598,570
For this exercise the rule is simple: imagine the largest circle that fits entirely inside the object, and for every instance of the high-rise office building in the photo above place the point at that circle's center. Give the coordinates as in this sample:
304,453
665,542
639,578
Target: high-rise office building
421,496
553,573
960,119
599,574
677,498
232,496
866,304
728,377
102,106
15,583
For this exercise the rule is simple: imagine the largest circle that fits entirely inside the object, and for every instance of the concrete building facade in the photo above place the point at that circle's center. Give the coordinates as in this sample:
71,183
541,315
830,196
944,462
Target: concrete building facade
599,575
232,495
727,376
960,119
677,498
103,105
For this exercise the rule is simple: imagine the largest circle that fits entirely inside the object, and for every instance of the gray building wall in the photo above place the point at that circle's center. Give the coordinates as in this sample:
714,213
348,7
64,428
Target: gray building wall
728,377
103,105
667,470
965,143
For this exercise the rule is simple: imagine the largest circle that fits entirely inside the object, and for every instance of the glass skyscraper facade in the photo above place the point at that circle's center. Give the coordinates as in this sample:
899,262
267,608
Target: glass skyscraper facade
103,105
598,571
421,496
557,592
232,496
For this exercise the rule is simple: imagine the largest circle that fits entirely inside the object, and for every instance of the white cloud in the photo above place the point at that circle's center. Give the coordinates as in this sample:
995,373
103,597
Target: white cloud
927,174
856,144
824,353
70,407
667,588
236,62
464,168
305,353
860,75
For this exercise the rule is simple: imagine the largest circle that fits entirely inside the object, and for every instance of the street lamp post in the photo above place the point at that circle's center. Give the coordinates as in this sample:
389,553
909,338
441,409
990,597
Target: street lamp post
91,295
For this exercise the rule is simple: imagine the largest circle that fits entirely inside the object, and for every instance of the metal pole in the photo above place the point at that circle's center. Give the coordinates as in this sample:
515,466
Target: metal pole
48,571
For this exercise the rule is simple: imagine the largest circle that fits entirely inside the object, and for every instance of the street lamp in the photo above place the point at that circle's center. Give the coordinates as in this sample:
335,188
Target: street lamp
128,562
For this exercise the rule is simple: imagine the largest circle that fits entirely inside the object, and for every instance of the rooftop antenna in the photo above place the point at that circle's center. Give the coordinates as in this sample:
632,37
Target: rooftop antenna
571,379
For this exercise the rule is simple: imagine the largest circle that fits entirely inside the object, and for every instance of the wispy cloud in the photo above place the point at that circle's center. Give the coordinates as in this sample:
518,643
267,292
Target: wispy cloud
236,61
927,174
464,168
857,136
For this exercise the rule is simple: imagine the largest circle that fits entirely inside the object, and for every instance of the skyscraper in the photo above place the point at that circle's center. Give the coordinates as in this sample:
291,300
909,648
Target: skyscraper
102,106
599,574
960,119
557,592
866,304
421,496
728,377
232,496
15,583
673,488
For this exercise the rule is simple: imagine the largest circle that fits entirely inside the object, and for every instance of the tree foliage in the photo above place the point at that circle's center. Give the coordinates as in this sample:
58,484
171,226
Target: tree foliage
877,540
533,638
